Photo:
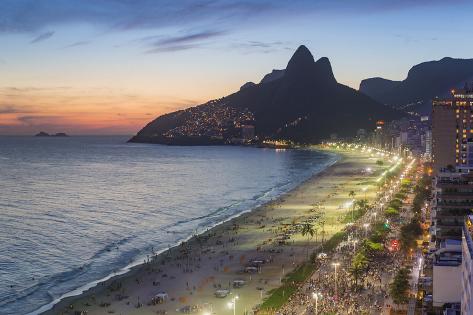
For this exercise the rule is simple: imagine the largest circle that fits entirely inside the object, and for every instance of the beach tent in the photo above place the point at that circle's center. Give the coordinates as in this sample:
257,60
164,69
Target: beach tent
221,293
238,283
251,269
257,261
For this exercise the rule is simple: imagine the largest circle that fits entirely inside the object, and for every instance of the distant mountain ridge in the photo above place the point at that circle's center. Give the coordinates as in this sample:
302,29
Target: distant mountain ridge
424,82
303,103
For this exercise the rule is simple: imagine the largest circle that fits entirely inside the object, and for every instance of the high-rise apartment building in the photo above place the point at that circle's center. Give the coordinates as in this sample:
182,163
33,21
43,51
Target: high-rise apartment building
452,131
428,143
453,200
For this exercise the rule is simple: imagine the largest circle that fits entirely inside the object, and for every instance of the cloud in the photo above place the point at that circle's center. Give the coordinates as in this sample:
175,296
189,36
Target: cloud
9,109
31,15
408,39
27,89
188,38
42,37
77,44
180,42
34,120
262,47
12,108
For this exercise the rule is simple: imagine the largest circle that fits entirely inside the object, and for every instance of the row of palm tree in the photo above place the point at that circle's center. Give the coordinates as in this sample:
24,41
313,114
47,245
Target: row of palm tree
309,230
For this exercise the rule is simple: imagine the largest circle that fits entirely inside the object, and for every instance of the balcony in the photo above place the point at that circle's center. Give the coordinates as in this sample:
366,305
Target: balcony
451,213
449,224
454,194
449,203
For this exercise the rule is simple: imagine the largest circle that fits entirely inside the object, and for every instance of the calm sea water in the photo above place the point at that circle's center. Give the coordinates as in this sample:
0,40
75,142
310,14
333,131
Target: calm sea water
74,210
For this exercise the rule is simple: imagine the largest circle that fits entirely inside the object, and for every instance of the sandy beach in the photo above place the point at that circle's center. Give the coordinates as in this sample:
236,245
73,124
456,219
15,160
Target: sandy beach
258,248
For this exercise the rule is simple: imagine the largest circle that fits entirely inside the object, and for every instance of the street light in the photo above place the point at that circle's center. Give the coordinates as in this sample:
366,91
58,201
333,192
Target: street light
364,189
232,304
335,265
374,214
354,245
366,225
316,296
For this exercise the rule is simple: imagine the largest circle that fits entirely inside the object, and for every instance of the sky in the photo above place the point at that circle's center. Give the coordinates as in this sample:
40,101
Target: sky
111,66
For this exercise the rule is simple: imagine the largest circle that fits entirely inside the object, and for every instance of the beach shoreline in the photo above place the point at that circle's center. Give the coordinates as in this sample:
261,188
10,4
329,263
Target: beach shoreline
132,295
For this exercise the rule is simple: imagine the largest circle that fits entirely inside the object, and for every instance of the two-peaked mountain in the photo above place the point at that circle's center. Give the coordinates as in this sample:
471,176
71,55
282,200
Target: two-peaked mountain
303,103
424,82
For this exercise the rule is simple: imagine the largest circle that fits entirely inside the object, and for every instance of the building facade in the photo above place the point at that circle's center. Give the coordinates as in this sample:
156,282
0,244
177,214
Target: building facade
428,143
453,200
447,273
452,131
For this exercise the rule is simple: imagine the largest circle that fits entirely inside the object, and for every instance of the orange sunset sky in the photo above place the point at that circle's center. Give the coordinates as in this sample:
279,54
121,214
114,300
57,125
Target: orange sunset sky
109,67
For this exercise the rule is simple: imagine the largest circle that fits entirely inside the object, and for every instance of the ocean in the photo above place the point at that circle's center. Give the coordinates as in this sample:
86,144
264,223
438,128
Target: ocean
79,209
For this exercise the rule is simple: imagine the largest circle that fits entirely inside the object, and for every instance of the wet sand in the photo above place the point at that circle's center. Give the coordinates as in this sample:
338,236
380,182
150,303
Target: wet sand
191,273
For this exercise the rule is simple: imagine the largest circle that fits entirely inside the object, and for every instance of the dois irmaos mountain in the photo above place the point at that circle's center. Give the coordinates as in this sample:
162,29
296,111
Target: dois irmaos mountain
303,103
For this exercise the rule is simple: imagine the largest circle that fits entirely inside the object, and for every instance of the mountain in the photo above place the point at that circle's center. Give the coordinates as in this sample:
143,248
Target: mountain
377,87
424,82
42,134
303,103
247,85
274,75
45,134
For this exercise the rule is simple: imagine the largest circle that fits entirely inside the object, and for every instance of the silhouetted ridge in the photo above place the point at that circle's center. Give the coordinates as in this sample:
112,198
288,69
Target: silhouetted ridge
274,75
424,82
303,103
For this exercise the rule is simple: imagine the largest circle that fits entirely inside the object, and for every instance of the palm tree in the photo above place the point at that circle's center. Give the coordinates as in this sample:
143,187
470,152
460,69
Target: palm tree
359,264
352,195
399,288
322,222
362,204
308,229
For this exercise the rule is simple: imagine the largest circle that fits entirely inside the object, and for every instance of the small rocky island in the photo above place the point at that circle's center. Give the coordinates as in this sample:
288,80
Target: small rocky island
45,134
